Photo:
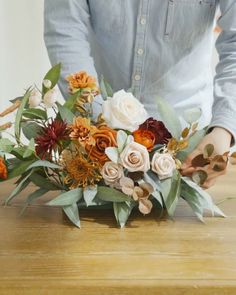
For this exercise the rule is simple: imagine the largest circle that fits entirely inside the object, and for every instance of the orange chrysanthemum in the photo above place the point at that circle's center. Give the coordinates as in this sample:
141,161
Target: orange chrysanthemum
145,137
81,171
104,137
3,169
82,131
80,80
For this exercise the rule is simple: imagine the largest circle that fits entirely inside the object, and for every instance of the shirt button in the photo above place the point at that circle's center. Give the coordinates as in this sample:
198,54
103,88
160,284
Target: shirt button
137,77
140,51
143,21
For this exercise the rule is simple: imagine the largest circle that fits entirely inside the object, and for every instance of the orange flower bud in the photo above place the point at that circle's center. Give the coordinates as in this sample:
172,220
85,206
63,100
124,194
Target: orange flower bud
3,169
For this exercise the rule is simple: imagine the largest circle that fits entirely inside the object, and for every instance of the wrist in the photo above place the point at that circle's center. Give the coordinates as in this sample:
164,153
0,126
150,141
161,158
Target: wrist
222,133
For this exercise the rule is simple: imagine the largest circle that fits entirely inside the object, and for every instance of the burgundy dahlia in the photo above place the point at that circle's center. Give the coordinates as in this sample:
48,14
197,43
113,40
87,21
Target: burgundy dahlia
51,138
158,129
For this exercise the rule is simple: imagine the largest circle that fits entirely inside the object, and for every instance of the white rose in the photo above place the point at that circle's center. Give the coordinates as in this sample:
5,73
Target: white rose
124,111
163,165
35,98
50,98
112,173
135,157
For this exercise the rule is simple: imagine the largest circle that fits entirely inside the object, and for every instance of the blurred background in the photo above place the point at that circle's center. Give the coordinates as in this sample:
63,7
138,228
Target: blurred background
23,57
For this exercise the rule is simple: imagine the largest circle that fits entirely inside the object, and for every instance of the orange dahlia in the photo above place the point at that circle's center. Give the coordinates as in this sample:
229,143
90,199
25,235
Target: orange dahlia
80,80
3,169
80,171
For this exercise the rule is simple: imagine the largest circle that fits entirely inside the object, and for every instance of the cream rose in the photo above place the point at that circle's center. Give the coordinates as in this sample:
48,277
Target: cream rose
163,165
50,98
124,111
35,98
135,157
112,173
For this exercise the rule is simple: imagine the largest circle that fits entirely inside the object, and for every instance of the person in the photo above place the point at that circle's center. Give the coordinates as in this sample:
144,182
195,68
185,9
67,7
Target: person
160,47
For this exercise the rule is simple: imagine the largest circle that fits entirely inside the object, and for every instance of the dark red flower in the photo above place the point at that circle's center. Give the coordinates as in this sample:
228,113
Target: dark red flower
51,138
158,129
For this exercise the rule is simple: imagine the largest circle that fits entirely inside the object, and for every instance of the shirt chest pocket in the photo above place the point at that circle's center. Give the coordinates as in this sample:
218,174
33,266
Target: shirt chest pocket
107,16
188,19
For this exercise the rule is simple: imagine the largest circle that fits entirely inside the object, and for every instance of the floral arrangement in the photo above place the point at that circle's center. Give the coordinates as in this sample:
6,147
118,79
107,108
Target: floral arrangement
122,159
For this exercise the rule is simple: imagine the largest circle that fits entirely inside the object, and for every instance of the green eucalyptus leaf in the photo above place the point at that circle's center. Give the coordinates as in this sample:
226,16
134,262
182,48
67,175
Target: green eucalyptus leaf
121,140
122,212
169,116
171,192
65,113
19,114
70,102
105,88
32,197
67,198
192,115
199,177
208,151
89,195
72,212
112,153
19,168
31,130
30,150
43,163
6,145
111,195
52,75
35,114
44,182
20,187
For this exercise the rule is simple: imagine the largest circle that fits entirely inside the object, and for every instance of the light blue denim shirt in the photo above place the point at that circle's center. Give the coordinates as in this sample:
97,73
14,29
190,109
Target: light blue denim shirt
154,47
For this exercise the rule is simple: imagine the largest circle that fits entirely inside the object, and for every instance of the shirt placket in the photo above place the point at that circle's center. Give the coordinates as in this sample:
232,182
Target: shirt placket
140,48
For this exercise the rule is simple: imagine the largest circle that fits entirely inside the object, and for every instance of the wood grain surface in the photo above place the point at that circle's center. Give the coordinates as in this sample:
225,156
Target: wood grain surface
42,253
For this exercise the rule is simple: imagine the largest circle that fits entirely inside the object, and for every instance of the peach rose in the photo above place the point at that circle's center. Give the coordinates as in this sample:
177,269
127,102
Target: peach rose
135,157
163,165
112,173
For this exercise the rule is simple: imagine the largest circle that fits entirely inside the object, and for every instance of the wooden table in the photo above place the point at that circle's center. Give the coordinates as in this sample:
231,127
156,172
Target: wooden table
42,253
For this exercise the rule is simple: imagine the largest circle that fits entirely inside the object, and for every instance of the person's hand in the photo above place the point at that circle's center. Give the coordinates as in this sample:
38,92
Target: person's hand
221,140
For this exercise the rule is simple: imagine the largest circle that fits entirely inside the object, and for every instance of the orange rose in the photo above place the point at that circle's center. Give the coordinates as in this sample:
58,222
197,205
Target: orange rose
104,137
80,80
144,137
3,169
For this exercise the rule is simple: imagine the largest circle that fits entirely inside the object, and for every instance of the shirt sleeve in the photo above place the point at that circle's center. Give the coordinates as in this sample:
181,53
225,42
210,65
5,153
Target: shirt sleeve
224,107
66,32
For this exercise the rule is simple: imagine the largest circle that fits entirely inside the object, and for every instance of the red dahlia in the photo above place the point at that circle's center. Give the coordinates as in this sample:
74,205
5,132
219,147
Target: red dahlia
51,138
158,129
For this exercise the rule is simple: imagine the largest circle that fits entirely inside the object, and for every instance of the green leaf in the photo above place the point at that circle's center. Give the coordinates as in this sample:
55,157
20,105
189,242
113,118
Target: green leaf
112,153
65,113
192,115
6,145
72,212
20,187
35,114
53,75
19,169
46,164
171,192
32,197
67,198
200,196
169,117
122,212
105,88
70,102
121,140
111,195
44,182
194,141
19,114
89,195
30,150
208,151
31,130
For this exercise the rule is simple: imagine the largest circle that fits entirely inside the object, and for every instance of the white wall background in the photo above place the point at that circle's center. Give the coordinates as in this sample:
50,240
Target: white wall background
23,57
